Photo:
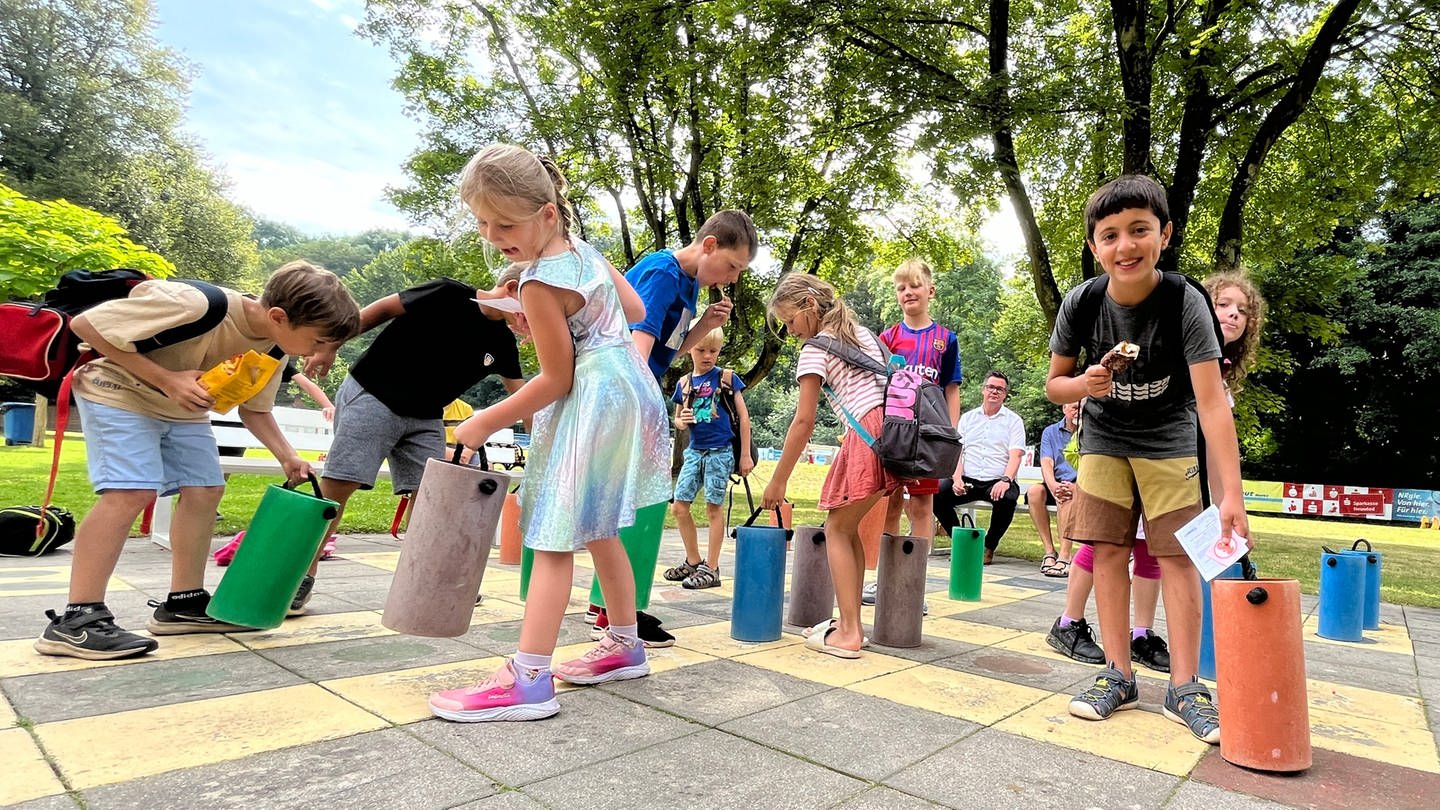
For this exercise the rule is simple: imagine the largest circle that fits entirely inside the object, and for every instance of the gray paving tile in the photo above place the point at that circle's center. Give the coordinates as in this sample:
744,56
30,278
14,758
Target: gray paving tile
1426,635
884,798
716,691
380,770
1401,680
1039,583
58,802
1358,654
87,692
1030,670
367,597
24,616
856,734
1018,772
931,649
504,800
1425,649
1018,616
501,638
1421,616
367,656
592,727
705,770
1200,796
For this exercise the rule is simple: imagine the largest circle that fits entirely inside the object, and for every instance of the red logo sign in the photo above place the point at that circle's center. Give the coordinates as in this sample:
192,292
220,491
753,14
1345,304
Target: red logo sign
1363,504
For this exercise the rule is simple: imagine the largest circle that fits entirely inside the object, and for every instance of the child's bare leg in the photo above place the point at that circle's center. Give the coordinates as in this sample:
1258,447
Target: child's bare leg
550,581
1040,516
1182,616
715,513
1146,592
190,532
893,507
921,510
99,540
1112,602
1077,591
1062,525
617,580
847,568
688,533
339,492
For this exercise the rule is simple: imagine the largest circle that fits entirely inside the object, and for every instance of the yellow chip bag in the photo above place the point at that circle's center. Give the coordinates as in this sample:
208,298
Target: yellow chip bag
235,380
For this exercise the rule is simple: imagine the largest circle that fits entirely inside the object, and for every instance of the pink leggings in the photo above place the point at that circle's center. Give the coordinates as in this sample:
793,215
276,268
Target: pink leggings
1146,566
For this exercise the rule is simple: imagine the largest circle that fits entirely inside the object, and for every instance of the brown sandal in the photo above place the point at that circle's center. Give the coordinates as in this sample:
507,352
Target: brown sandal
1048,568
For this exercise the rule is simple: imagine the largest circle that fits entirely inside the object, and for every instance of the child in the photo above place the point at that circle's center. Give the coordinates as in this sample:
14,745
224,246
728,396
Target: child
932,351
709,458
147,433
808,307
392,403
1139,437
1057,489
597,451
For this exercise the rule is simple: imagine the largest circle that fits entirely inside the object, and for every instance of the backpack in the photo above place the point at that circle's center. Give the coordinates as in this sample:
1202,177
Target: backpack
19,536
916,439
727,401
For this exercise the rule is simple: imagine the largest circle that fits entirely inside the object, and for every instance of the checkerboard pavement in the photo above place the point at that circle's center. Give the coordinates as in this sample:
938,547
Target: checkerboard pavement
330,710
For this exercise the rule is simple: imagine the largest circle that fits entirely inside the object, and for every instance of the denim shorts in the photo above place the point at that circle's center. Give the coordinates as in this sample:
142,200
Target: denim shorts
713,467
128,450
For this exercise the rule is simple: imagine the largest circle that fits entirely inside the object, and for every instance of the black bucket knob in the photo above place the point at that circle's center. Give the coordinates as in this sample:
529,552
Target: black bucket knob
488,486
1331,561
1257,596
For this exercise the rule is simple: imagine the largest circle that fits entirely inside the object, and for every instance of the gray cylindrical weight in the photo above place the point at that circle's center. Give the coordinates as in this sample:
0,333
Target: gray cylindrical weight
900,594
453,526
812,591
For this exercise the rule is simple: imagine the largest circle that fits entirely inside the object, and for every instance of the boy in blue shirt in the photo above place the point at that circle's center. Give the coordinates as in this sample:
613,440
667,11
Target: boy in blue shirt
1140,439
1057,490
709,459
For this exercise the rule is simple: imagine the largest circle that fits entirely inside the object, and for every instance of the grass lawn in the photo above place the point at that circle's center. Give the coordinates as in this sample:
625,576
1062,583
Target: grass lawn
1285,547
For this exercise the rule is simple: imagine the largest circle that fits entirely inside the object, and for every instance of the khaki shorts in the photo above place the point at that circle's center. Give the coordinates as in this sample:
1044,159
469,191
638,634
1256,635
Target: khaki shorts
1112,492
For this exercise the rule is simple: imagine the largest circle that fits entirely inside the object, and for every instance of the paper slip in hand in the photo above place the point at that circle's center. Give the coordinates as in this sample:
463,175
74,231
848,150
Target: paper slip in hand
1202,542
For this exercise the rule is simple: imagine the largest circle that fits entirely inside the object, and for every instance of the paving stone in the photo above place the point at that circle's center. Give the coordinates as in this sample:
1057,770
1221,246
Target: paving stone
504,800
24,616
1030,670
1200,796
501,638
1425,649
1400,680
380,770
1424,634
932,648
366,656
88,692
884,798
856,734
1357,655
706,770
1334,780
1036,618
1421,615
368,597
716,691
592,727
1018,772
1039,583
59,802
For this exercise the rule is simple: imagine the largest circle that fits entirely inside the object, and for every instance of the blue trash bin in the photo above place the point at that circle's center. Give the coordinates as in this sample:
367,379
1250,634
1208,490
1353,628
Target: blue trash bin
1342,596
1374,561
19,422
759,581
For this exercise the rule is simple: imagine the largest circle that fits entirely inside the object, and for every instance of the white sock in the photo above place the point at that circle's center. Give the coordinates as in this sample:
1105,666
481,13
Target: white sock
626,631
528,663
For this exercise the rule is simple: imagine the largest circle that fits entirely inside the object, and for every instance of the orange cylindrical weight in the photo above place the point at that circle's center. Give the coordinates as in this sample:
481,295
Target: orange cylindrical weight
510,530
871,527
786,508
1260,670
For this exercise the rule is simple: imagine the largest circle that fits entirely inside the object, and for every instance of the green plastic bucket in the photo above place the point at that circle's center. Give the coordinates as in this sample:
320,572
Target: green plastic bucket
642,546
280,543
967,562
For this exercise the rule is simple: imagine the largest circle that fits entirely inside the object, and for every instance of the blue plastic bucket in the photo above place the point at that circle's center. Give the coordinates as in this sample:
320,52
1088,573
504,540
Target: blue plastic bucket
759,581
1207,622
1374,562
1342,596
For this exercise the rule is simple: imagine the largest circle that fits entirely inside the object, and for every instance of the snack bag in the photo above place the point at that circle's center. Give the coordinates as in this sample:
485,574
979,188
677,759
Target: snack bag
237,379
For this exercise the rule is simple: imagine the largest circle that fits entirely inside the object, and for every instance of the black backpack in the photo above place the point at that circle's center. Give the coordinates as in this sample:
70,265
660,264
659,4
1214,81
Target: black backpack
21,534
916,439
727,401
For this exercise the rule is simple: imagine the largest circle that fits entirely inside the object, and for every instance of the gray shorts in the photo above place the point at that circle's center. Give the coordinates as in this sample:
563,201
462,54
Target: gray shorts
367,433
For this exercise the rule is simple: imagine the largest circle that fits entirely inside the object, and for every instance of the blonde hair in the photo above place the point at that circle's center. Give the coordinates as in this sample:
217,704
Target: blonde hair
835,317
310,295
1239,354
914,271
514,180
714,339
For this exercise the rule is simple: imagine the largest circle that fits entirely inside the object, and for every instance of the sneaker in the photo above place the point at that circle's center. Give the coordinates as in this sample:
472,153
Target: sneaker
302,597
867,593
1111,693
600,627
651,632
226,553
593,612
704,577
1076,641
613,659
171,620
1189,704
502,696
1151,651
92,635
680,572
327,551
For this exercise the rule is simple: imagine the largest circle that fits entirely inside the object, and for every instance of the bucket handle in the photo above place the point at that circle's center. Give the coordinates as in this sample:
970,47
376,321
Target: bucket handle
1328,550
314,484
1356,545
1247,567
460,448
750,521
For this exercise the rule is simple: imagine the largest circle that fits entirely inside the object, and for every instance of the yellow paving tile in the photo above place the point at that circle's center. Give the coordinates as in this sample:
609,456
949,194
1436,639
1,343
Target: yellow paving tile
18,656
714,639
950,692
7,713
47,580
1141,738
809,665
492,611
968,632
402,696
317,629
27,774
384,560
1391,638
1407,743
102,750
942,606
1014,592
1365,703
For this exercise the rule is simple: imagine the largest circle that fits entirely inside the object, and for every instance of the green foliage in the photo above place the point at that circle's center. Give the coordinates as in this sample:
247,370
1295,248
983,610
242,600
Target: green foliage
41,240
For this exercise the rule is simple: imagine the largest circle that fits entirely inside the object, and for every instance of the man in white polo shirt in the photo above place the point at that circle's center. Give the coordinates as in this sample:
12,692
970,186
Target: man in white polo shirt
994,439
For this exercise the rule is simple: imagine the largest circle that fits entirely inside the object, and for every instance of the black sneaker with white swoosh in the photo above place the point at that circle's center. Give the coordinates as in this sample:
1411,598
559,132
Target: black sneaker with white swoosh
91,634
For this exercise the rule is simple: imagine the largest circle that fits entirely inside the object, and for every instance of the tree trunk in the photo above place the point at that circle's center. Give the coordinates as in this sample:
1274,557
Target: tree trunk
1196,122
1130,18
625,241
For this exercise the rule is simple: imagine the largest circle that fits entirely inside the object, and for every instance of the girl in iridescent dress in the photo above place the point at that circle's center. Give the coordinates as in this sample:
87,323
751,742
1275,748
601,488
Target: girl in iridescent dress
598,449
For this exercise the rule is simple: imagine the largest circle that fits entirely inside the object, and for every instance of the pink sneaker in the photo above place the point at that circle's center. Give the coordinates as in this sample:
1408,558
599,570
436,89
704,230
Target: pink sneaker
613,659
502,696
226,553
327,551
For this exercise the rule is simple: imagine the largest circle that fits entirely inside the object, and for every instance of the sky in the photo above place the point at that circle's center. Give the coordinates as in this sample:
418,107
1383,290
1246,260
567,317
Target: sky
294,108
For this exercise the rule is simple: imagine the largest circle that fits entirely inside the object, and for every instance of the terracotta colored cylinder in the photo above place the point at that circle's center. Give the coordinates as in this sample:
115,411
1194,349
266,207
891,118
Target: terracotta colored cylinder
785,512
812,590
871,527
510,530
1260,670
457,512
967,563
900,593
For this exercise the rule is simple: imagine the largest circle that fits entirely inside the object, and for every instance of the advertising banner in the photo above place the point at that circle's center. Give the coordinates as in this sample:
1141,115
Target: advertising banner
1413,504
